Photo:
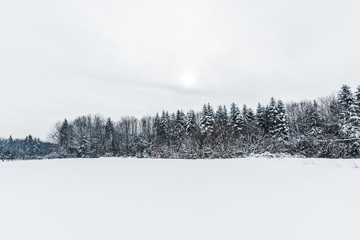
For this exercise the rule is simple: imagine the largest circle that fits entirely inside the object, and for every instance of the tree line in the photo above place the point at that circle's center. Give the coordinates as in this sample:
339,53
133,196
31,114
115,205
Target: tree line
327,127
28,148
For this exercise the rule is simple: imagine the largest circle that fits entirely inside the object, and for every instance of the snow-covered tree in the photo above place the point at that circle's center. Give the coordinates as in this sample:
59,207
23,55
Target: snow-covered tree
110,139
179,129
261,118
313,119
191,126
282,124
272,117
207,120
235,120
349,113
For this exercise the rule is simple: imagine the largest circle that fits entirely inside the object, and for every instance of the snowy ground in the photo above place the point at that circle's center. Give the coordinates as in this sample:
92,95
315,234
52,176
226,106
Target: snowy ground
282,199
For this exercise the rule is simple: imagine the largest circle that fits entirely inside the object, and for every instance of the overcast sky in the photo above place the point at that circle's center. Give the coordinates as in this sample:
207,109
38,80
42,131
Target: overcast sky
63,59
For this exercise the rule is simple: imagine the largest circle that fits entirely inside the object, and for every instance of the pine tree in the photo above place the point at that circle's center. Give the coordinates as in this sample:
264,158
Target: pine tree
164,127
349,113
64,133
211,115
37,147
235,120
221,121
282,124
179,126
29,148
313,119
10,148
357,100
222,132
346,101
207,120
110,146
261,119
64,139
156,126
191,127
247,121
221,118
193,139
272,117
207,124
278,124
250,116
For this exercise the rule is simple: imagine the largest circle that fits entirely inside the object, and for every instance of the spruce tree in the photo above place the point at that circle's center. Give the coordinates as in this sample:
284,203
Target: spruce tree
348,109
357,100
345,97
156,126
193,137
235,120
191,125
179,129
164,127
110,147
282,124
221,118
260,117
64,139
10,148
313,119
63,133
207,120
272,117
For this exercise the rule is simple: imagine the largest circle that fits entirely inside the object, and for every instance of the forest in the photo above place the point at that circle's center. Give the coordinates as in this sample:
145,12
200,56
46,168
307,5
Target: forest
28,148
324,128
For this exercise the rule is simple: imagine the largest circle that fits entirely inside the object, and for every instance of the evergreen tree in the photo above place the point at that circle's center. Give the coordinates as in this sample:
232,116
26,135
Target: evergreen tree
346,102
10,148
235,120
272,117
179,129
247,121
165,127
357,100
222,132
261,119
207,120
313,119
221,118
29,148
282,124
37,147
191,126
207,124
64,132
65,139
110,139
193,139
349,113
156,126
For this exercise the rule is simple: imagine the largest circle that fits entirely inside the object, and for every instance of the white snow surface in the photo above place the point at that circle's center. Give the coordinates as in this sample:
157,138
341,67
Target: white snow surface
151,199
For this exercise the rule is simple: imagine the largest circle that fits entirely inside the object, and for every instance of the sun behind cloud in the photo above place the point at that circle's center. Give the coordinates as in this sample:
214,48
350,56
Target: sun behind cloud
188,80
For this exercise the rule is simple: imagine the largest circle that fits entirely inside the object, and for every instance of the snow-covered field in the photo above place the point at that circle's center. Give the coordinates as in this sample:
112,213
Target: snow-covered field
114,198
